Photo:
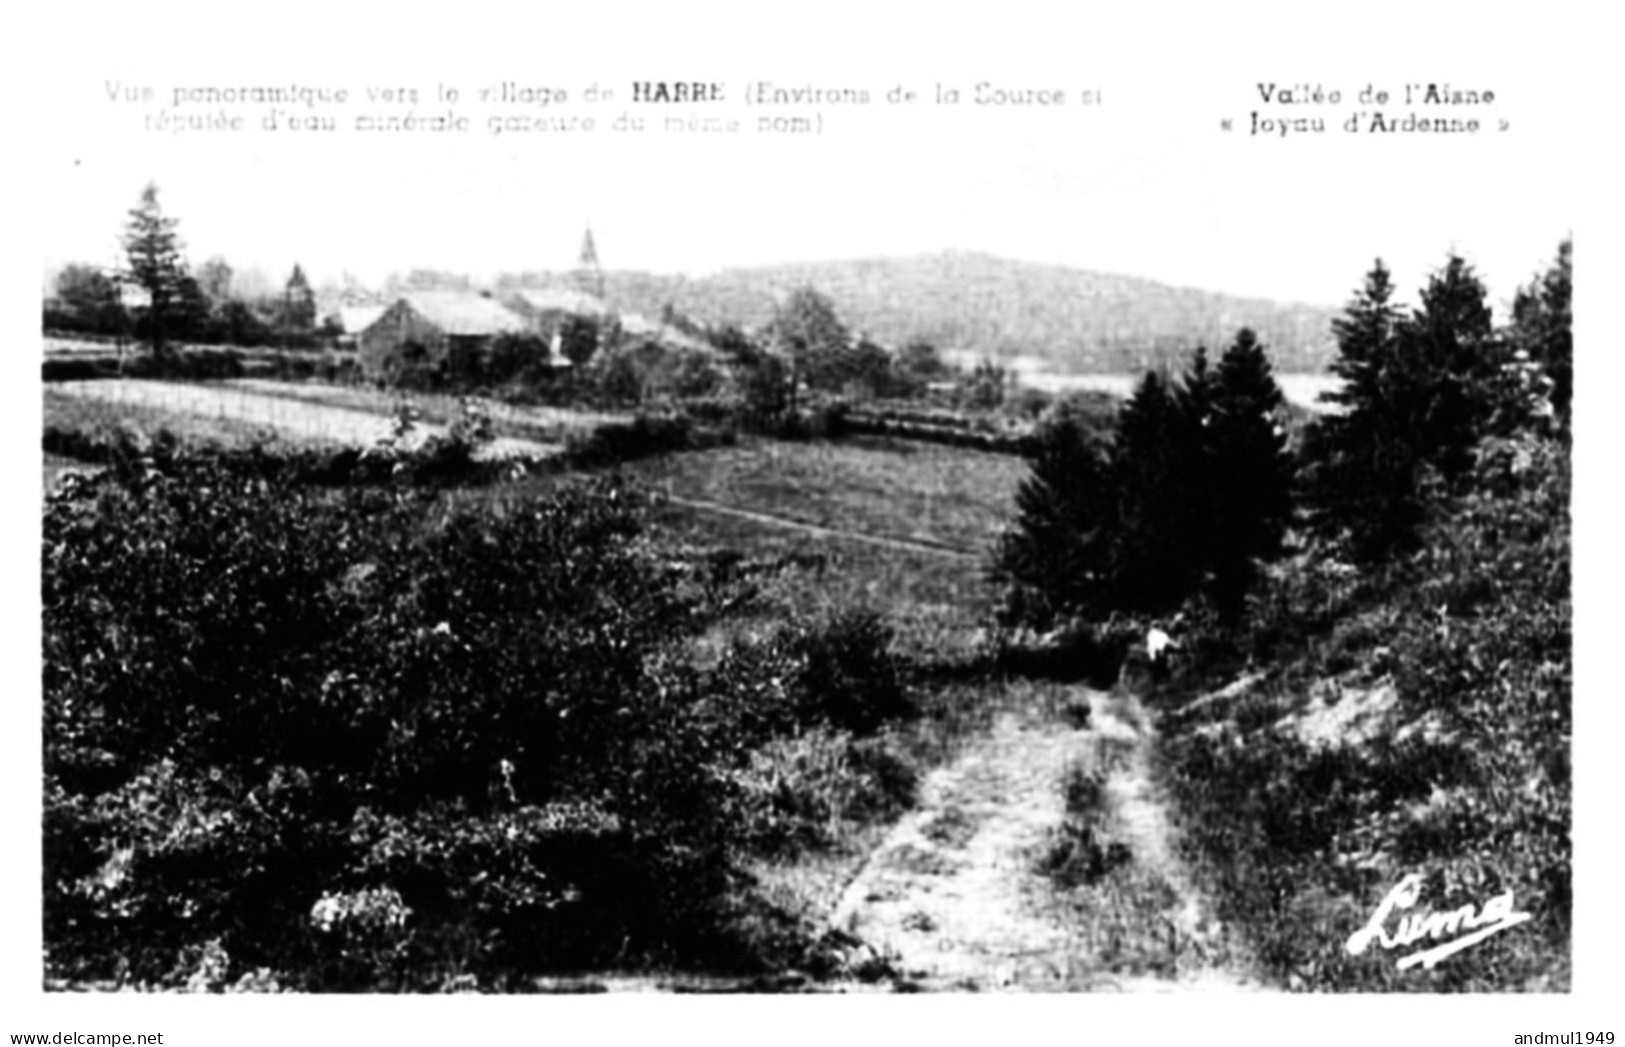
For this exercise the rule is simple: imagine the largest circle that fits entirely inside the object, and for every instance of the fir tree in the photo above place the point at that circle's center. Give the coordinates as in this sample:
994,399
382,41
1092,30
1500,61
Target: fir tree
1418,393
1249,494
298,304
153,250
1362,471
1156,564
1055,562
1457,368
1194,406
1543,330
1365,337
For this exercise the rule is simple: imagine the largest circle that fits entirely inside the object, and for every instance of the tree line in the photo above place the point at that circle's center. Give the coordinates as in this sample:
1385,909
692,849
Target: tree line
171,302
1198,486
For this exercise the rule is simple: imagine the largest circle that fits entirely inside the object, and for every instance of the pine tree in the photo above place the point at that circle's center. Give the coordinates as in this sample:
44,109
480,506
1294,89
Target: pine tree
1444,380
1156,562
1249,494
1194,395
1543,329
1419,392
153,251
1365,337
1451,347
1055,562
1194,405
298,304
1362,469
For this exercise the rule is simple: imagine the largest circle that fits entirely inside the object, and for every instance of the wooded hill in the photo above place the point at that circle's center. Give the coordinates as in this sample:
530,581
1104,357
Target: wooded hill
1075,320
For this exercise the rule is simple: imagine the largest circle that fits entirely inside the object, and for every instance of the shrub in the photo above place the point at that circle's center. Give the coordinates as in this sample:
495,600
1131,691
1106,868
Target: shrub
342,739
798,792
358,744
193,364
76,369
847,677
644,436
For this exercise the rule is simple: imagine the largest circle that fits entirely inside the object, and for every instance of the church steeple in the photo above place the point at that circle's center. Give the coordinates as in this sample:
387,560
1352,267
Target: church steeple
588,272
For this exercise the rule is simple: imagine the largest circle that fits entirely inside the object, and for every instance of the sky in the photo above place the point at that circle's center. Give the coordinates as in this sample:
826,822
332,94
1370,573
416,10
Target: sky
1144,183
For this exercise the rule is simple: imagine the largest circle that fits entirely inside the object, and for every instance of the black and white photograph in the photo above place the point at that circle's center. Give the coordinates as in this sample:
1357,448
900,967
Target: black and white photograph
849,501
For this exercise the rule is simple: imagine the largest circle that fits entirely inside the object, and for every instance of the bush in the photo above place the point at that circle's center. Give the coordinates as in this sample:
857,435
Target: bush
798,792
192,364
342,739
358,744
848,679
77,369
615,442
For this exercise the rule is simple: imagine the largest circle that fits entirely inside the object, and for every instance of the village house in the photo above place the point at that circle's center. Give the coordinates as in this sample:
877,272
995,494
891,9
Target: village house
547,309
636,327
351,320
427,328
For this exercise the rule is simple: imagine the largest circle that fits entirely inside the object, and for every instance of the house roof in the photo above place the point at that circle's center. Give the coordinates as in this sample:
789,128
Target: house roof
353,319
640,326
560,300
465,313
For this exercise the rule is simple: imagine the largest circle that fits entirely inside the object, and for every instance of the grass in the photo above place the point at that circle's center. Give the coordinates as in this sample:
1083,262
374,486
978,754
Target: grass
539,423
91,416
894,489
937,604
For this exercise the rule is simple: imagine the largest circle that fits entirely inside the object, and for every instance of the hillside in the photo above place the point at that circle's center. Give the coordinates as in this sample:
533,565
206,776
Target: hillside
1074,320
1413,718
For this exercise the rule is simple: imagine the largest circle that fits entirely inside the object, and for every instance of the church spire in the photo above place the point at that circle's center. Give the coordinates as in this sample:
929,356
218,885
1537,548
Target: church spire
587,265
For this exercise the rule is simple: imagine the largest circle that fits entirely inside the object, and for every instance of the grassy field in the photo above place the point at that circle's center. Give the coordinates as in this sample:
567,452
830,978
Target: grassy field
891,489
238,413
546,424
945,497
92,415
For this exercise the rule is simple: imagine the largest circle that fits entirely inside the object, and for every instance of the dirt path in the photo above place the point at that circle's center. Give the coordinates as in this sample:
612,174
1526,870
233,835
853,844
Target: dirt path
1008,878
905,544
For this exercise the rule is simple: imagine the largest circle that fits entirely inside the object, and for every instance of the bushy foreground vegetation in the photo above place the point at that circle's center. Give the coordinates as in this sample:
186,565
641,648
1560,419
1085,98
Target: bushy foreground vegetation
338,738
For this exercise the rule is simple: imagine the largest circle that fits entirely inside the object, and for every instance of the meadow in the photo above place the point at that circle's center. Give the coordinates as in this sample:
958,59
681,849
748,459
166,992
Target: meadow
911,492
